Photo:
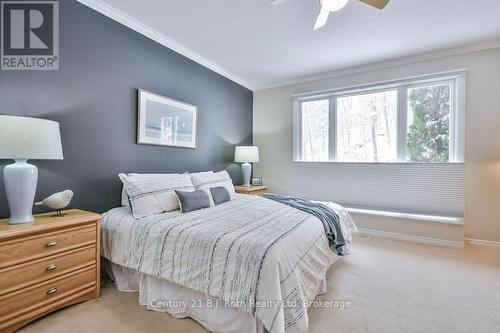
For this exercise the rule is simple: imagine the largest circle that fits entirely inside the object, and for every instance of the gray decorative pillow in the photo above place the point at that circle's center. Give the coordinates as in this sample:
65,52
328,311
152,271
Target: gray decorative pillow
190,201
206,181
220,195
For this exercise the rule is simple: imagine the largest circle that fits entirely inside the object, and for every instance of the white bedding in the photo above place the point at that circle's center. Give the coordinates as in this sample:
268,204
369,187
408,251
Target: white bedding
253,254
181,302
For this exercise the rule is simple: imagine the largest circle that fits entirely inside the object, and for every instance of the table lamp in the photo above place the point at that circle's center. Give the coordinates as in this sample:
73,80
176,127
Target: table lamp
23,139
246,154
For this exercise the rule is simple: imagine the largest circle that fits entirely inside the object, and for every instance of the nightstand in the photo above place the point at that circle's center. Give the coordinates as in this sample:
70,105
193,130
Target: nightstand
253,190
46,265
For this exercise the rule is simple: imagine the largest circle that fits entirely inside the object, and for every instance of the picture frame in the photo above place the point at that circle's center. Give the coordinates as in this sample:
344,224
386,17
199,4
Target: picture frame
163,121
257,181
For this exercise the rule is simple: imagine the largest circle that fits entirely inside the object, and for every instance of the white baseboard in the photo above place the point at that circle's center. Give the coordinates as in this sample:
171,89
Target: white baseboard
410,238
481,242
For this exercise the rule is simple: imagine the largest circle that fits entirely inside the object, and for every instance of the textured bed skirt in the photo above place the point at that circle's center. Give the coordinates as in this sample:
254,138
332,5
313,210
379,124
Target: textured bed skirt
181,302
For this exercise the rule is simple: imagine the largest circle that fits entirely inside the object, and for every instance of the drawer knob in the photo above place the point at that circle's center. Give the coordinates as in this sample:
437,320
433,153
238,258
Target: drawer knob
51,291
51,267
51,243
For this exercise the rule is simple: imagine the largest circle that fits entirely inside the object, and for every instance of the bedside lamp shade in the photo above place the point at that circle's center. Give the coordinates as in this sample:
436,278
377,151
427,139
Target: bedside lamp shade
23,139
244,154
29,138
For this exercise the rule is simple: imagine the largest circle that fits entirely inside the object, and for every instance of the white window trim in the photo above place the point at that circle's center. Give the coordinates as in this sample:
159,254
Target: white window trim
457,116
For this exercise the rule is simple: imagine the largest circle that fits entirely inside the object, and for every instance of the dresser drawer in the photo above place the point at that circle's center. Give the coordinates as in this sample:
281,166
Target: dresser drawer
47,294
29,248
32,272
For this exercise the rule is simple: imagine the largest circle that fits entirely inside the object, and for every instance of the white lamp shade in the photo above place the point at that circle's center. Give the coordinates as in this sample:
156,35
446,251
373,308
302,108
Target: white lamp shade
29,138
244,154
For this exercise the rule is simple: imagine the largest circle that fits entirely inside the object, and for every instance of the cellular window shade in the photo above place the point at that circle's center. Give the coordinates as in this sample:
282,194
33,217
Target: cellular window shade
430,188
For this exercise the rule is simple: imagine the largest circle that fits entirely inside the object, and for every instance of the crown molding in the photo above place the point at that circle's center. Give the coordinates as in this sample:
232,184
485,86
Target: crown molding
381,65
134,24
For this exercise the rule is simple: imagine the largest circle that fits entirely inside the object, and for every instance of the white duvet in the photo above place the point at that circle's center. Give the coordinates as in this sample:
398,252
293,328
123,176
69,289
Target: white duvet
256,255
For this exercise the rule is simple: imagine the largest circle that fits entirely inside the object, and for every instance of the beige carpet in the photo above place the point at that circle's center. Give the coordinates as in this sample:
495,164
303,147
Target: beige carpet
392,287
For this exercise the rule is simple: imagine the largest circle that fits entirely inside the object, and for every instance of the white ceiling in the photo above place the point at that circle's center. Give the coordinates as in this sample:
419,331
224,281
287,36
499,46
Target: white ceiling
257,44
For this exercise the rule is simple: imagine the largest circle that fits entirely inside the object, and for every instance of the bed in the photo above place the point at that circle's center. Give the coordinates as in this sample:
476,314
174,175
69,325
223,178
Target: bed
248,265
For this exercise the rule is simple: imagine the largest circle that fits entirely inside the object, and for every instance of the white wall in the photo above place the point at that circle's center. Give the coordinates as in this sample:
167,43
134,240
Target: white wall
273,134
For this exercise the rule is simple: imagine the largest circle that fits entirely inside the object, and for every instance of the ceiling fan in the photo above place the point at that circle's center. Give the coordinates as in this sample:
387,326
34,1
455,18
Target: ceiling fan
328,6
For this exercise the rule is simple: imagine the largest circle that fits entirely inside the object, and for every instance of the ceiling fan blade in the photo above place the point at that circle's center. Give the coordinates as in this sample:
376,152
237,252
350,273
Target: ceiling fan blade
322,18
380,4
277,2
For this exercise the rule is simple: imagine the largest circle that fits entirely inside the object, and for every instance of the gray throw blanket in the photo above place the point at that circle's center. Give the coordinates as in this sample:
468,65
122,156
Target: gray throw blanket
330,219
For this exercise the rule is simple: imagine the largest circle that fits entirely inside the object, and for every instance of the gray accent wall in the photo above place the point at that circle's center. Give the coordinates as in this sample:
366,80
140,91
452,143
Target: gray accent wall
94,97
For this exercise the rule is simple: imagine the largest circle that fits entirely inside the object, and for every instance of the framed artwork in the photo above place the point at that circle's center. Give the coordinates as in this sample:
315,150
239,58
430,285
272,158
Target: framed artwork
164,121
257,181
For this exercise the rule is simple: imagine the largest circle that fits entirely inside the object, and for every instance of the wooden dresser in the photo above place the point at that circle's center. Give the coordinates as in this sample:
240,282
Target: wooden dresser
46,265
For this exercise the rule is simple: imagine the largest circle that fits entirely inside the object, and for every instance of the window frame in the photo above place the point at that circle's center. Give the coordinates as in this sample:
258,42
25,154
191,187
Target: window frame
457,113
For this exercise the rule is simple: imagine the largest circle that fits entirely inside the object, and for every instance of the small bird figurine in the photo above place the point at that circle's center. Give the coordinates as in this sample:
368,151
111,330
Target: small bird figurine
57,201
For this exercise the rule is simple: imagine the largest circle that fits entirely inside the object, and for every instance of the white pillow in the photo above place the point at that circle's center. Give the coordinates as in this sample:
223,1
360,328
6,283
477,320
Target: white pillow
125,202
207,180
151,194
200,174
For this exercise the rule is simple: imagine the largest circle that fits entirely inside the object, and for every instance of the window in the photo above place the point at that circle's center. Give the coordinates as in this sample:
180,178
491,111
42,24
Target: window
315,128
366,127
414,120
428,131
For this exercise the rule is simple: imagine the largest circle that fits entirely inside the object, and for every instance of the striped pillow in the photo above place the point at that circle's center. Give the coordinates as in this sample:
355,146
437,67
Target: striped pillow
151,194
125,202
206,181
124,199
